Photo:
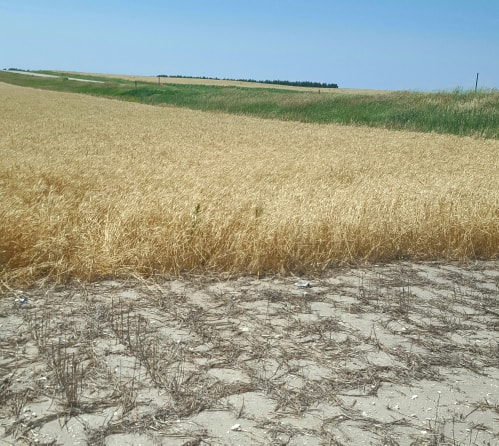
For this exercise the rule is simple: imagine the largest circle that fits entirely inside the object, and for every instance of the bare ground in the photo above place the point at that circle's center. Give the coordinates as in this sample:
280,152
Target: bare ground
404,353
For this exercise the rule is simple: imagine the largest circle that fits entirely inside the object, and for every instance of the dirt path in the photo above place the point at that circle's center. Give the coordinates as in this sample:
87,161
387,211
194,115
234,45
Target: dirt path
29,73
406,353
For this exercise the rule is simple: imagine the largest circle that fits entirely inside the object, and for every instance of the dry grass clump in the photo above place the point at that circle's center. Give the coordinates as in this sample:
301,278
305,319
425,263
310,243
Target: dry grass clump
92,187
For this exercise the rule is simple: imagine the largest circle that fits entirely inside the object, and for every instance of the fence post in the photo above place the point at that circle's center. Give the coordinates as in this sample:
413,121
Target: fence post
476,82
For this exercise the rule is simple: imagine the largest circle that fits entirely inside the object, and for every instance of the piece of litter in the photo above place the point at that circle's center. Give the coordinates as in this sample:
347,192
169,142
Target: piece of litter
236,427
414,397
22,301
303,284
244,329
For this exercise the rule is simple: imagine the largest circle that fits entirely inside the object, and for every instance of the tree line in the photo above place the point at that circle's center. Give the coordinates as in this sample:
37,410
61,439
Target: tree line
271,82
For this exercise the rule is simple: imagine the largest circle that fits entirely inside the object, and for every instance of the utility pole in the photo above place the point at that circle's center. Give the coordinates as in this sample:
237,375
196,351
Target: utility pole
476,82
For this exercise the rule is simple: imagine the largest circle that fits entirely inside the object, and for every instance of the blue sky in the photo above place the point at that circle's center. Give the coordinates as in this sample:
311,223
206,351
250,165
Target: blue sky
386,44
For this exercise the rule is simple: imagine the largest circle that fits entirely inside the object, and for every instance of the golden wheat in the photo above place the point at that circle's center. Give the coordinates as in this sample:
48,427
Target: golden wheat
92,187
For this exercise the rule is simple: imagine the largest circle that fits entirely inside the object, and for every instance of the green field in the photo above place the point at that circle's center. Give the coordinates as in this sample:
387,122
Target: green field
462,113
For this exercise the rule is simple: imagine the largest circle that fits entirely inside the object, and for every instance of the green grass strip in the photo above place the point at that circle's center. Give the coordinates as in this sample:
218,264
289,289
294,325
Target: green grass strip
463,113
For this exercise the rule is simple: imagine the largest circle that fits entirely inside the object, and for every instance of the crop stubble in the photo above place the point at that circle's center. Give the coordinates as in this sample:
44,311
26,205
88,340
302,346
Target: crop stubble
93,187
393,354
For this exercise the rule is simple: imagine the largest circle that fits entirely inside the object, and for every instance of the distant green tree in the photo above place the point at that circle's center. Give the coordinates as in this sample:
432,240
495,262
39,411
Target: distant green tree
309,84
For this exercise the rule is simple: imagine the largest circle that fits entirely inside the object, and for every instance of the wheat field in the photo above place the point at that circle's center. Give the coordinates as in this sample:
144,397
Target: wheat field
91,187
222,83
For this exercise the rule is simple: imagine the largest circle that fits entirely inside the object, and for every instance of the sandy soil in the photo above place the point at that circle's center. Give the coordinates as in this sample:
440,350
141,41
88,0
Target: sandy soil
405,353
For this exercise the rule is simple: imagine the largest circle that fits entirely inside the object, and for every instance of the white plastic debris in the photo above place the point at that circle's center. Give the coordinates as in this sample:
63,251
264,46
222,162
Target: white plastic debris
303,284
413,397
21,301
236,427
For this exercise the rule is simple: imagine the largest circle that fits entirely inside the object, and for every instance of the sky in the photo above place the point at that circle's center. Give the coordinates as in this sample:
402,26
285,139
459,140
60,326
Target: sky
422,45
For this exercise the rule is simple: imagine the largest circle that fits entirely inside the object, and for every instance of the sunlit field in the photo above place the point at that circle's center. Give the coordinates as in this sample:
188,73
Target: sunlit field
92,187
165,80
458,112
